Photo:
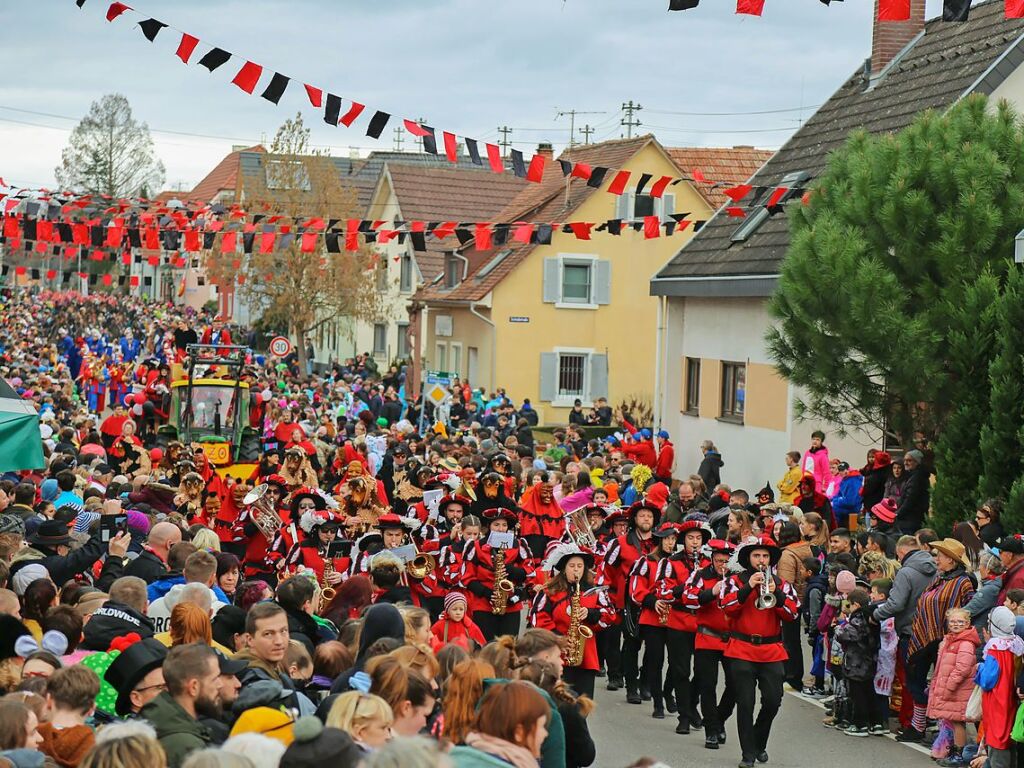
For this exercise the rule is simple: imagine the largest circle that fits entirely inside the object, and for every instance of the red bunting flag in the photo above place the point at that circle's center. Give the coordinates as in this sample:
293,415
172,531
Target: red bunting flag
483,237
11,227
738,192
352,235
228,242
1015,9
126,258
316,95
652,227
415,128
581,171
894,10
494,158
535,172
20,270
353,112
659,186
699,177
267,242
445,229
750,7
114,236
191,240
133,281
450,147
107,279
776,197
96,256
308,242
186,47
736,212
116,9
581,229
248,76
523,233
51,273
153,261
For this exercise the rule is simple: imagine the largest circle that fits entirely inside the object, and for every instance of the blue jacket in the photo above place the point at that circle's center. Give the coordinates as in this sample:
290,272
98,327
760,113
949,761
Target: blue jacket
158,589
848,500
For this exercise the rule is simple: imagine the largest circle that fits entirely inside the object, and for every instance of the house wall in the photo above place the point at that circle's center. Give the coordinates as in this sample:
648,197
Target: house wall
733,330
1011,89
623,329
467,332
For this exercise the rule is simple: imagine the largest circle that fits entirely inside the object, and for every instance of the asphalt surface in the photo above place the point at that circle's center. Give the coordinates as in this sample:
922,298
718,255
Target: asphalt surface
625,732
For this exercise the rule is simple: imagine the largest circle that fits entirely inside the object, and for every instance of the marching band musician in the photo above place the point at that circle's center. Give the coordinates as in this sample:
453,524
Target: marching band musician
542,520
572,568
702,592
682,619
496,611
623,552
302,502
450,512
255,561
449,562
392,532
755,648
314,553
654,613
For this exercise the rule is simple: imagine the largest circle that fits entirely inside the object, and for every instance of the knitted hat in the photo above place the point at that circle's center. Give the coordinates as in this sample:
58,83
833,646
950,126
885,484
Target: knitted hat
12,524
452,598
316,746
138,522
266,721
28,574
49,489
846,582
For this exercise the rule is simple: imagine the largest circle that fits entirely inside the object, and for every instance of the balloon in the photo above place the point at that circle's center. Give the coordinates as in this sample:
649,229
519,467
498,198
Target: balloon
267,394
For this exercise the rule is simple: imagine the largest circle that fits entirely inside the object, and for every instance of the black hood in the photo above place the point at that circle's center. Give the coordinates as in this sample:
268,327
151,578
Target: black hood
113,620
380,620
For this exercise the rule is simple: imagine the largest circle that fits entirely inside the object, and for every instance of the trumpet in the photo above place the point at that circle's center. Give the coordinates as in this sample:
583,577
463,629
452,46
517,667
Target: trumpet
422,565
765,599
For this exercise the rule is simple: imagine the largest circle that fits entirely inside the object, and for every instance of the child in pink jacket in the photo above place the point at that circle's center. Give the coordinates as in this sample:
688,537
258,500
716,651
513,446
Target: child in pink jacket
953,682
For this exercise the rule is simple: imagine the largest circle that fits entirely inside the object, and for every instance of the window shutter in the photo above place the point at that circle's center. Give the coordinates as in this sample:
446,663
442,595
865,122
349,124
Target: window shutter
602,281
548,376
598,376
668,203
624,206
552,281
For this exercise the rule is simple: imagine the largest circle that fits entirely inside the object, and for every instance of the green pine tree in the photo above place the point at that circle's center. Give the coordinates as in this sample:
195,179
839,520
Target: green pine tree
891,245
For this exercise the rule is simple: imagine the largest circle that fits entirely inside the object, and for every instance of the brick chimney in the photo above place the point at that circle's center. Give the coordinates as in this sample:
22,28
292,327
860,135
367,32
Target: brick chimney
890,37
546,149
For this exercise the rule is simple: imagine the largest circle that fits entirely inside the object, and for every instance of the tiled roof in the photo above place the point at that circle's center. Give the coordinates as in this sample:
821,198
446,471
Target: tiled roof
446,194
946,62
731,165
551,200
223,176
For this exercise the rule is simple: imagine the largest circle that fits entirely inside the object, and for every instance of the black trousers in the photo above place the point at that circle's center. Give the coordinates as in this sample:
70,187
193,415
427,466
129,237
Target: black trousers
794,665
654,639
705,676
863,702
747,678
680,662
611,640
631,659
495,626
580,680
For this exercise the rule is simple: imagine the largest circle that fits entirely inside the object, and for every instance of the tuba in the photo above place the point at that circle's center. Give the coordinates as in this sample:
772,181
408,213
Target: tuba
578,527
422,565
578,634
264,516
503,587
765,599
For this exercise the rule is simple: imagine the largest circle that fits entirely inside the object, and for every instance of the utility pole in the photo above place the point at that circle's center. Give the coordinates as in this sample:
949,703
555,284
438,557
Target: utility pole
399,138
572,123
505,143
630,108
422,121
586,130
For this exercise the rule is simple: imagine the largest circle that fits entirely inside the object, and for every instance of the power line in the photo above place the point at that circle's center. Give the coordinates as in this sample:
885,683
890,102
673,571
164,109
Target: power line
669,129
733,114
628,121
586,130
505,132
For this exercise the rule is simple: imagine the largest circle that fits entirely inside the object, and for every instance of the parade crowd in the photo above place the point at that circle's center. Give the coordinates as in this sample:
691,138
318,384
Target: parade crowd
378,588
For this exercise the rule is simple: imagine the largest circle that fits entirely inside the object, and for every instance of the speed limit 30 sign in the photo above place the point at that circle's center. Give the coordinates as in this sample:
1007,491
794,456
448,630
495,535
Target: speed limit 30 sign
280,346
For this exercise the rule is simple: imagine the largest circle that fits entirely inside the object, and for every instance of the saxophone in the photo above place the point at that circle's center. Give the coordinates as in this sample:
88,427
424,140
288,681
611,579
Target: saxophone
503,587
327,592
578,634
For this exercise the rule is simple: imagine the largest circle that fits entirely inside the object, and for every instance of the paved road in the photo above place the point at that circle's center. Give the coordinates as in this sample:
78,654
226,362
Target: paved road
625,732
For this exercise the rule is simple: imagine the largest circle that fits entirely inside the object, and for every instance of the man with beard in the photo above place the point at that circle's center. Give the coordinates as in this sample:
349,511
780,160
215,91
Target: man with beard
541,520
624,551
193,680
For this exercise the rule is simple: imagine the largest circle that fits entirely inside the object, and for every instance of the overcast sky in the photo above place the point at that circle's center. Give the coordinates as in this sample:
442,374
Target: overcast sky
465,65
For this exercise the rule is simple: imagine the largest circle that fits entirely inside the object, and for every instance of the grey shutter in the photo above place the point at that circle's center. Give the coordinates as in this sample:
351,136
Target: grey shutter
598,376
668,207
552,281
624,206
548,376
602,281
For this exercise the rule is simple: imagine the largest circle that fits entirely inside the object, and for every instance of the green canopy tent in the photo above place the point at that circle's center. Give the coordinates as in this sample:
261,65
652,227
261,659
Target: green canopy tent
21,446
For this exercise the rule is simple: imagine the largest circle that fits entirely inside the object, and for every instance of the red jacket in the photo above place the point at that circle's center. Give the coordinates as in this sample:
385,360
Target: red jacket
666,460
618,563
671,587
642,452
552,612
307,555
699,595
643,587
448,631
748,621
477,575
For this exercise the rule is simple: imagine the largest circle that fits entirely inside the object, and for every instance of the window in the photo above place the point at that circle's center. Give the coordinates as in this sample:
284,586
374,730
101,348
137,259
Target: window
382,276
633,207
290,174
576,282
572,375
644,205
441,360
403,340
380,339
692,396
452,266
759,212
734,382
405,279
456,358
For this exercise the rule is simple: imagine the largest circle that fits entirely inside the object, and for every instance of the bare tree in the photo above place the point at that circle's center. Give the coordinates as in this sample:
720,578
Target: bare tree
111,153
302,291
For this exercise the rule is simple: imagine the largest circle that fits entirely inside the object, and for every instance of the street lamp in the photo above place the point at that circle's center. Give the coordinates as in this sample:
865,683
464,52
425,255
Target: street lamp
1018,248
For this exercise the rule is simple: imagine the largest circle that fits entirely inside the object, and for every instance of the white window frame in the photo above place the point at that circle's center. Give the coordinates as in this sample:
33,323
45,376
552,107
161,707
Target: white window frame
403,287
402,350
566,401
384,351
575,259
453,348
440,350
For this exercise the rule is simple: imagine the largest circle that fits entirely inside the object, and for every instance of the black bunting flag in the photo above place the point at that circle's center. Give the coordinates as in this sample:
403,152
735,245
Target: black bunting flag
682,5
597,177
275,90
377,124
645,179
215,58
474,152
956,10
332,109
151,28
518,164
429,141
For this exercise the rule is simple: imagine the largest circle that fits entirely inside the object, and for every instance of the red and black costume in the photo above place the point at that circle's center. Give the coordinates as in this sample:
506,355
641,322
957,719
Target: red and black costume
541,519
477,577
755,649
644,582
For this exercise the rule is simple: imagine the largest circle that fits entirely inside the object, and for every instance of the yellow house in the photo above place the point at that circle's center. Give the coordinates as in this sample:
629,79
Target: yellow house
562,318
